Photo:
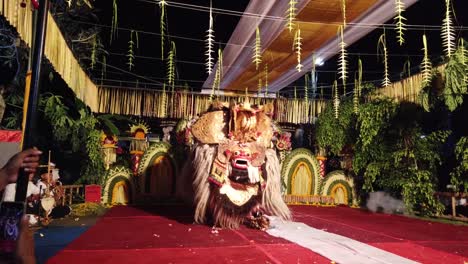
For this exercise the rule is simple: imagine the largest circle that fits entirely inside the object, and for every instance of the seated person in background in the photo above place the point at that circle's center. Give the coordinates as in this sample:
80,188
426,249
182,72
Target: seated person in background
32,196
50,186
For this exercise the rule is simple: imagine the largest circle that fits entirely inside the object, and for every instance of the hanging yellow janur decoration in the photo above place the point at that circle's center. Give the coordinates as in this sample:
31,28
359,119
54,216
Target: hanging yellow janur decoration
266,79
464,58
171,72
114,24
343,11
357,87
93,52
426,65
359,77
448,34
131,47
103,68
297,45
342,62
336,99
210,43
306,87
356,96
220,70
400,21
407,69
163,103
257,56
162,24
216,85
259,86
382,50
291,15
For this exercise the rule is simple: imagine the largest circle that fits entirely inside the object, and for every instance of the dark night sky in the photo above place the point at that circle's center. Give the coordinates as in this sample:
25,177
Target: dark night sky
144,15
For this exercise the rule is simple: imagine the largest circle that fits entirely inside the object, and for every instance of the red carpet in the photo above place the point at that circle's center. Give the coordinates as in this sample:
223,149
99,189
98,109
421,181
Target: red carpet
167,235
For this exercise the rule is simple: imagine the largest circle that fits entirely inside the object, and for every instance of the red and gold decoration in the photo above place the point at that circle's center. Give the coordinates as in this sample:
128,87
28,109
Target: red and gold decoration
236,173
109,149
139,144
323,165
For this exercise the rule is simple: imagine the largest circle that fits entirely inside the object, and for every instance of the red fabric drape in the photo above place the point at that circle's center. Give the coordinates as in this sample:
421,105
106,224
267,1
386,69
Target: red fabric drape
10,135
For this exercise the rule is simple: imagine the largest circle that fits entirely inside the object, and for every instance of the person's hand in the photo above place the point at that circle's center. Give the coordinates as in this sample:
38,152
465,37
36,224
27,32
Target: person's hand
27,159
25,245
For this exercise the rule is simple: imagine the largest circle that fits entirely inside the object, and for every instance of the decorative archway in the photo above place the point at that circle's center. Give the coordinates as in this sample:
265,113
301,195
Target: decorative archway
157,171
301,172
339,187
119,187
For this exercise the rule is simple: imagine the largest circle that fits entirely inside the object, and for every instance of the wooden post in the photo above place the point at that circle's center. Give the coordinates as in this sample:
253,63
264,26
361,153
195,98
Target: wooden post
454,213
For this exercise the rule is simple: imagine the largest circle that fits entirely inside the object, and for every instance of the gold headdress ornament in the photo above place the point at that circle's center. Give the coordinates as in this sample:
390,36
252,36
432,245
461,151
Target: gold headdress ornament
139,143
139,126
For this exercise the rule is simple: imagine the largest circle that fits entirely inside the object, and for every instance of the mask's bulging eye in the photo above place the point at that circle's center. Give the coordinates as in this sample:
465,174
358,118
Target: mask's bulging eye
236,153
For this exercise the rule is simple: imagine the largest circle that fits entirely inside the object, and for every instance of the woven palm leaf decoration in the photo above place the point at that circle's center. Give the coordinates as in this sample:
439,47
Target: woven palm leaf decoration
259,86
355,96
313,77
171,72
291,14
407,71
298,48
357,87
210,43
162,24
464,57
216,85
257,56
426,65
220,69
342,62
343,11
359,77
93,52
306,87
114,24
131,49
382,51
103,68
448,33
400,21
336,99
163,104
266,79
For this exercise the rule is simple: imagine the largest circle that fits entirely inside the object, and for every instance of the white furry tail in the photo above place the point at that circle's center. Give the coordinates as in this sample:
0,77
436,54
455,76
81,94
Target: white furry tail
204,157
272,200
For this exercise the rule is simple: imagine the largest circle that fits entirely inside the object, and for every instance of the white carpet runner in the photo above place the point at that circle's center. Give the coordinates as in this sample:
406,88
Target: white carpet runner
337,248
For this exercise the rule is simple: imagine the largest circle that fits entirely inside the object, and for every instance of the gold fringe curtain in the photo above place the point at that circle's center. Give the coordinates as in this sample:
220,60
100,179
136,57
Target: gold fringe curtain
149,103
407,89
56,50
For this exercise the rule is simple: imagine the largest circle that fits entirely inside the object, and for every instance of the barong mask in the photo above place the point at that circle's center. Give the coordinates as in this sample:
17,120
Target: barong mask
236,173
